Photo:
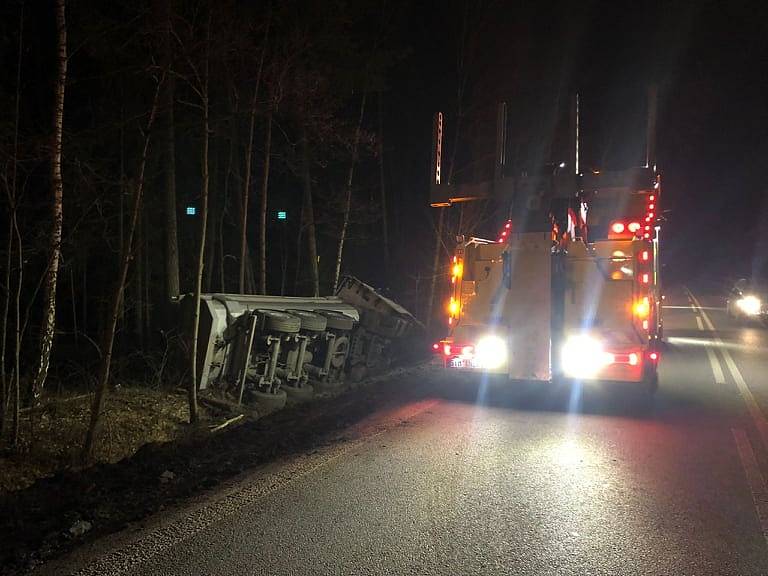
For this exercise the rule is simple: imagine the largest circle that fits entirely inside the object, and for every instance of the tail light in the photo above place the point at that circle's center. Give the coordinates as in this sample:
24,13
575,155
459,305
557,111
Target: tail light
633,227
617,227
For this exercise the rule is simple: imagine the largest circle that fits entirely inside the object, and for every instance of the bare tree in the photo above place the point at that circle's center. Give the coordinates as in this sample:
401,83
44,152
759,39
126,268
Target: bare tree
348,200
263,210
117,295
172,283
57,189
4,391
200,86
308,213
248,161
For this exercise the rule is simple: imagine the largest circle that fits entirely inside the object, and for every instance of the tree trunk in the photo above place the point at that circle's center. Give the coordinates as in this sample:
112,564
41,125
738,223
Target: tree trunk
214,208
383,187
117,294
138,281
17,344
4,323
248,159
263,211
309,215
57,185
192,388
348,201
172,280
4,393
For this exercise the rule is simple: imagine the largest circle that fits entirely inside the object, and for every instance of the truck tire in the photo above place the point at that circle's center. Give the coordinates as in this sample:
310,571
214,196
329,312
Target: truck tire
337,320
268,402
277,321
310,321
299,393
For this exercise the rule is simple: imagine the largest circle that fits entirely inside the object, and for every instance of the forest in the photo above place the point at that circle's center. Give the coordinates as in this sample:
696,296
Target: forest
157,150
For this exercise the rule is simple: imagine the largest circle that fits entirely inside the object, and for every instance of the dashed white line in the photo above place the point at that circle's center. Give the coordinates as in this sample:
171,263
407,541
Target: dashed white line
717,370
754,410
754,478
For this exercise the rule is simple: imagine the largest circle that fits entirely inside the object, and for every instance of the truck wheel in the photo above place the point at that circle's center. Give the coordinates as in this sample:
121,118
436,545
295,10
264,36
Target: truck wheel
310,321
277,321
299,393
268,402
337,320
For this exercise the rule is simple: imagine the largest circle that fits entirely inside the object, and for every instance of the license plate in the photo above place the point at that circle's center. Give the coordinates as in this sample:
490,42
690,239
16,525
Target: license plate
462,363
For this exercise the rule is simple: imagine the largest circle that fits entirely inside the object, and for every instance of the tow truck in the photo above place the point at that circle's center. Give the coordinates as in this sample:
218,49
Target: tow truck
570,288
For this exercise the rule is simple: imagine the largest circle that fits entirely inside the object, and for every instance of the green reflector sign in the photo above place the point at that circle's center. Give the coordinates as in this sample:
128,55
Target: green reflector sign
282,215
191,210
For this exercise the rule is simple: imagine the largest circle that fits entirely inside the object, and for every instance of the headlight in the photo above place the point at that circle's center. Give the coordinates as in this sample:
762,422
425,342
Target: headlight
584,356
490,352
750,305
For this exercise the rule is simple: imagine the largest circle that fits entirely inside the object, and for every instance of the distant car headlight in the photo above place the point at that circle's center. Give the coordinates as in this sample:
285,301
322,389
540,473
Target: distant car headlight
584,356
490,352
750,305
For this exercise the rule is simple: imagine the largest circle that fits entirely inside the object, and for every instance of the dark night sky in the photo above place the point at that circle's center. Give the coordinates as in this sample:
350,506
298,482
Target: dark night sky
708,59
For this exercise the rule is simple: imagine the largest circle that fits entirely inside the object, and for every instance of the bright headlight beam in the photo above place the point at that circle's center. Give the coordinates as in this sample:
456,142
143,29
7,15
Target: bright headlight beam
490,352
750,305
583,356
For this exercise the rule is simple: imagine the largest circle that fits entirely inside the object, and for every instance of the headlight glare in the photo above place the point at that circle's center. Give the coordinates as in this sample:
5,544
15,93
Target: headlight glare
750,305
490,352
584,356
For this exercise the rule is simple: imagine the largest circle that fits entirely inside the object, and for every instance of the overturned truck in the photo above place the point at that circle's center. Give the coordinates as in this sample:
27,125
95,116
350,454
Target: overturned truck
264,349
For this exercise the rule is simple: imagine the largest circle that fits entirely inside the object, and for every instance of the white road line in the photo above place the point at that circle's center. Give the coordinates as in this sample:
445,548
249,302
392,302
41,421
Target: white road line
717,370
754,410
754,478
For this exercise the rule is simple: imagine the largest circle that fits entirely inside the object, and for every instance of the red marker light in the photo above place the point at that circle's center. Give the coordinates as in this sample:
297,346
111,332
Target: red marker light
645,324
447,349
646,235
651,206
650,214
644,256
652,198
647,227
653,356
617,227
508,225
645,278
435,346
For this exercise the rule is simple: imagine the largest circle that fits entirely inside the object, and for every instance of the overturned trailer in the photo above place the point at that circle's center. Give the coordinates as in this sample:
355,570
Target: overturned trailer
266,348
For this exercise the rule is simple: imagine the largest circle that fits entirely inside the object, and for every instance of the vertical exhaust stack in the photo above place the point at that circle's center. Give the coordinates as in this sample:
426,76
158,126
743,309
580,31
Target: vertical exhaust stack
573,159
439,195
501,142
650,133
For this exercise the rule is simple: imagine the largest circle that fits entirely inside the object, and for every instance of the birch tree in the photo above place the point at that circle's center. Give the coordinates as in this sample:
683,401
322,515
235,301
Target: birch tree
57,191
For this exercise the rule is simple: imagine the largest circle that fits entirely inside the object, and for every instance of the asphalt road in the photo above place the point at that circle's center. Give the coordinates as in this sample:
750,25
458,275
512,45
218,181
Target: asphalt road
467,477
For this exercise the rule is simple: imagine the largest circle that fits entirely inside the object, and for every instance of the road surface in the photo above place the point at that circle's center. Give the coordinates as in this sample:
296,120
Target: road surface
466,478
